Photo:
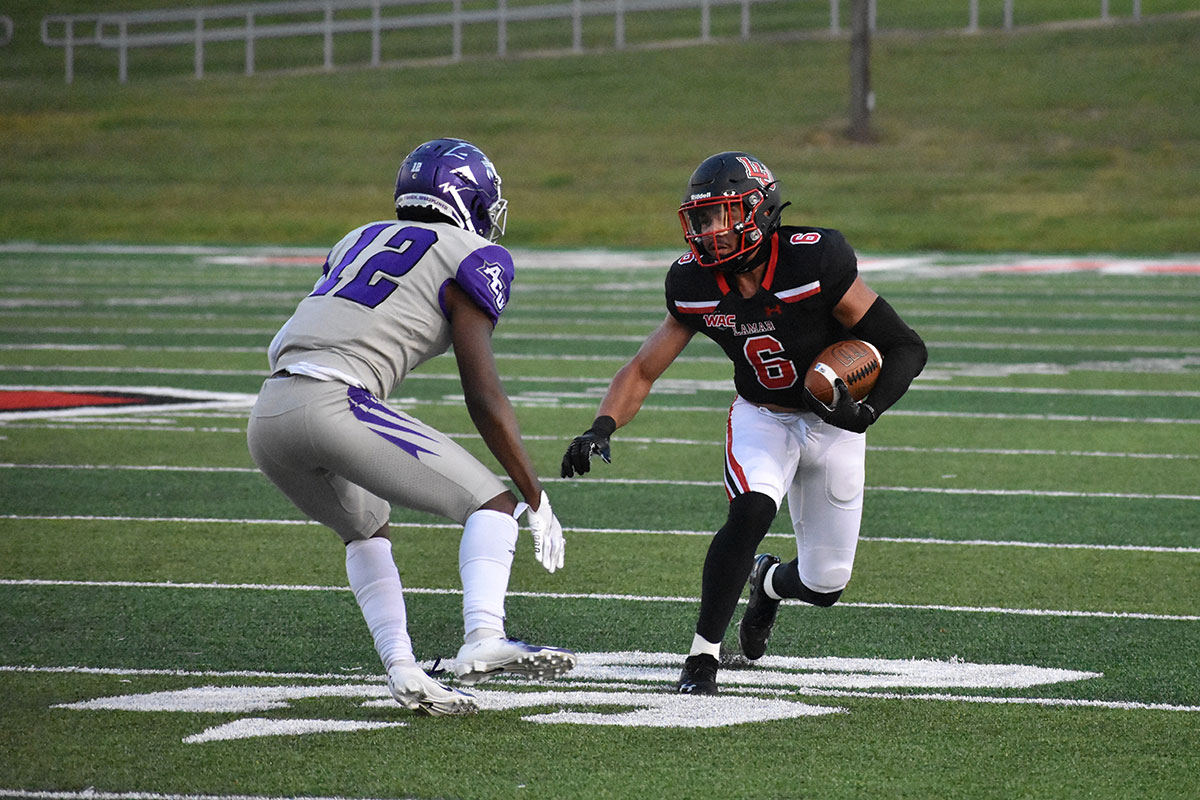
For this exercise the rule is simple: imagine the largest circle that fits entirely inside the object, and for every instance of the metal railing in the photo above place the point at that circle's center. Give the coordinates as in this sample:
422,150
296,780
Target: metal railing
125,31
973,13
254,22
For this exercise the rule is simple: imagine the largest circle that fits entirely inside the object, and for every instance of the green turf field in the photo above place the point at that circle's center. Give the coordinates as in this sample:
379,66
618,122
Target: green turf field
1023,620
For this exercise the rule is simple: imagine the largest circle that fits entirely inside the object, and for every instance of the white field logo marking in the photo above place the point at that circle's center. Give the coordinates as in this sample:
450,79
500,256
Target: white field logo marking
633,683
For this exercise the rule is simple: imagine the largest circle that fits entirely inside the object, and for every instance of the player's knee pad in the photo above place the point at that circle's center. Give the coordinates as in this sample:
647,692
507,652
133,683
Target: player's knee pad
845,475
826,577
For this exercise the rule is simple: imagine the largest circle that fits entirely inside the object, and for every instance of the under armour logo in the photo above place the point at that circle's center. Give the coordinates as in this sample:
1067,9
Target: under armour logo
773,310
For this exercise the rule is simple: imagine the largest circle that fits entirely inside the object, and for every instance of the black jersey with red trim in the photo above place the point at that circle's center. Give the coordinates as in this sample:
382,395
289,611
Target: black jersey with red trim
772,337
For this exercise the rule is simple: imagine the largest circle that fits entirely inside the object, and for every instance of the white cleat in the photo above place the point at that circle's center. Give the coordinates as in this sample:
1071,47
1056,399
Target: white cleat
415,690
487,658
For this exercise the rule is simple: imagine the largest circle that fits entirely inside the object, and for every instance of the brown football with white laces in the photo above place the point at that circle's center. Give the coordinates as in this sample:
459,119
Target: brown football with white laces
854,361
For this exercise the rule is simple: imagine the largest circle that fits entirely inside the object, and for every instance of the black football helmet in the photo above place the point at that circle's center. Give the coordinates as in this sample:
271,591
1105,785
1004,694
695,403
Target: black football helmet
730,207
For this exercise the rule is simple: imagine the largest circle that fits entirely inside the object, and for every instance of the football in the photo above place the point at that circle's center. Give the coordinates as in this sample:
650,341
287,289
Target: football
854,361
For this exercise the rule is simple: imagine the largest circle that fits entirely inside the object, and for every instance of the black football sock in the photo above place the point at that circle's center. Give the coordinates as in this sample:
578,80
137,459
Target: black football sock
730,556
786,583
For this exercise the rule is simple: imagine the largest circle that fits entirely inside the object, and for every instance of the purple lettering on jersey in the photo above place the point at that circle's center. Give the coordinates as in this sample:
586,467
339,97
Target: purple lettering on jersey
386,423
331,277
486,275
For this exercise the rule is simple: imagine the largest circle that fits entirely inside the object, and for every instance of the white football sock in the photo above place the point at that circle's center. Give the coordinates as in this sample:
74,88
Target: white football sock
769,587
484,562
702,645
376,585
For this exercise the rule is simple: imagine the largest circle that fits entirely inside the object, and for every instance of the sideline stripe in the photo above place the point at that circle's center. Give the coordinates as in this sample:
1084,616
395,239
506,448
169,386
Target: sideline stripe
638,531
1024,612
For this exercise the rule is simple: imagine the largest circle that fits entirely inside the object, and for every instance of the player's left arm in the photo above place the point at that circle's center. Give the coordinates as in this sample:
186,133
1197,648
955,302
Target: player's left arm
489,406
871,318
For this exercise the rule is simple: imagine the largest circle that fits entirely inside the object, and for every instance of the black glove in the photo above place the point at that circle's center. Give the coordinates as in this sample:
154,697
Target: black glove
578,458
845,413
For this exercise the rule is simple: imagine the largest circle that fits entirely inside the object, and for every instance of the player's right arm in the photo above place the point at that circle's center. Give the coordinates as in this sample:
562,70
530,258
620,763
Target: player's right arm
632,383
626,393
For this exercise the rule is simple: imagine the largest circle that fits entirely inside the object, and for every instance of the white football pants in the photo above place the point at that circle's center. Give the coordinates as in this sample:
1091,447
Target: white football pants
821,469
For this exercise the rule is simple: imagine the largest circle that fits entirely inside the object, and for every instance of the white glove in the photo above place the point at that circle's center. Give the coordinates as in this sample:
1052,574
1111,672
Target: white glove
548,542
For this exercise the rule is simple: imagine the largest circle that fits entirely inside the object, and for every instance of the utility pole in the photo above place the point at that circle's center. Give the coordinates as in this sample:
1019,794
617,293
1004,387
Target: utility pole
861,97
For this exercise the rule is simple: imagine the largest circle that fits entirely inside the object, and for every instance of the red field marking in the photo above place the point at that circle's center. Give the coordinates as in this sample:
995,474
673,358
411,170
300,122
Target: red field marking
33,400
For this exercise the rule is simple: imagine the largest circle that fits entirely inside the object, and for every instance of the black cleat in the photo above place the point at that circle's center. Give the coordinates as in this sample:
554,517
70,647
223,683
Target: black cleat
699,675
756,624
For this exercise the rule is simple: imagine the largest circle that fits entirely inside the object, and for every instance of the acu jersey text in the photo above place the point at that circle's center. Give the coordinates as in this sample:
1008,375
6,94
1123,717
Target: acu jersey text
378,309
773,336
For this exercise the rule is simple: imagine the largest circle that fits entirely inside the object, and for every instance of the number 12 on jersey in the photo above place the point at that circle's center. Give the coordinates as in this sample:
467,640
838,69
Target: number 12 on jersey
373,280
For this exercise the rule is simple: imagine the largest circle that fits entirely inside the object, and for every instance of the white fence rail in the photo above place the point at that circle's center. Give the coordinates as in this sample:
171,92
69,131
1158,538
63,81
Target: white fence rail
125,31
254,22
973,13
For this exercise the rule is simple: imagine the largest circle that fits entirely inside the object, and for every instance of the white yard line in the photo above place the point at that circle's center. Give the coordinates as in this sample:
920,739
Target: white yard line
674,482
150,426
500,335
602,596
634,531
695,385
555,401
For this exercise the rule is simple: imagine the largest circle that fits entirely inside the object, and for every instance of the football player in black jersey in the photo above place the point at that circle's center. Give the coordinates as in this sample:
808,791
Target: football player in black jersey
772,296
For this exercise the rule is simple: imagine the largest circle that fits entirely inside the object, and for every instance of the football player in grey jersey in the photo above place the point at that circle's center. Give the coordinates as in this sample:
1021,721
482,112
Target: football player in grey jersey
772,296
391,296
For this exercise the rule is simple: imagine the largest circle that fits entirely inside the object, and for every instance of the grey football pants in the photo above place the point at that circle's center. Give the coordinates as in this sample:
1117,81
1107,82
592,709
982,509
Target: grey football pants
342,456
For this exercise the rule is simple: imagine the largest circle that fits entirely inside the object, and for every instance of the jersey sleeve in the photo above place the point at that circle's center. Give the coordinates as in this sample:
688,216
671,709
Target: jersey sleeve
486,275
669,291
839,266
679,304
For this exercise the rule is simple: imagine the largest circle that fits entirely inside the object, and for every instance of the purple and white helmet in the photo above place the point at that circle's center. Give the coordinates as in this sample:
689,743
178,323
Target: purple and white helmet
455,179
